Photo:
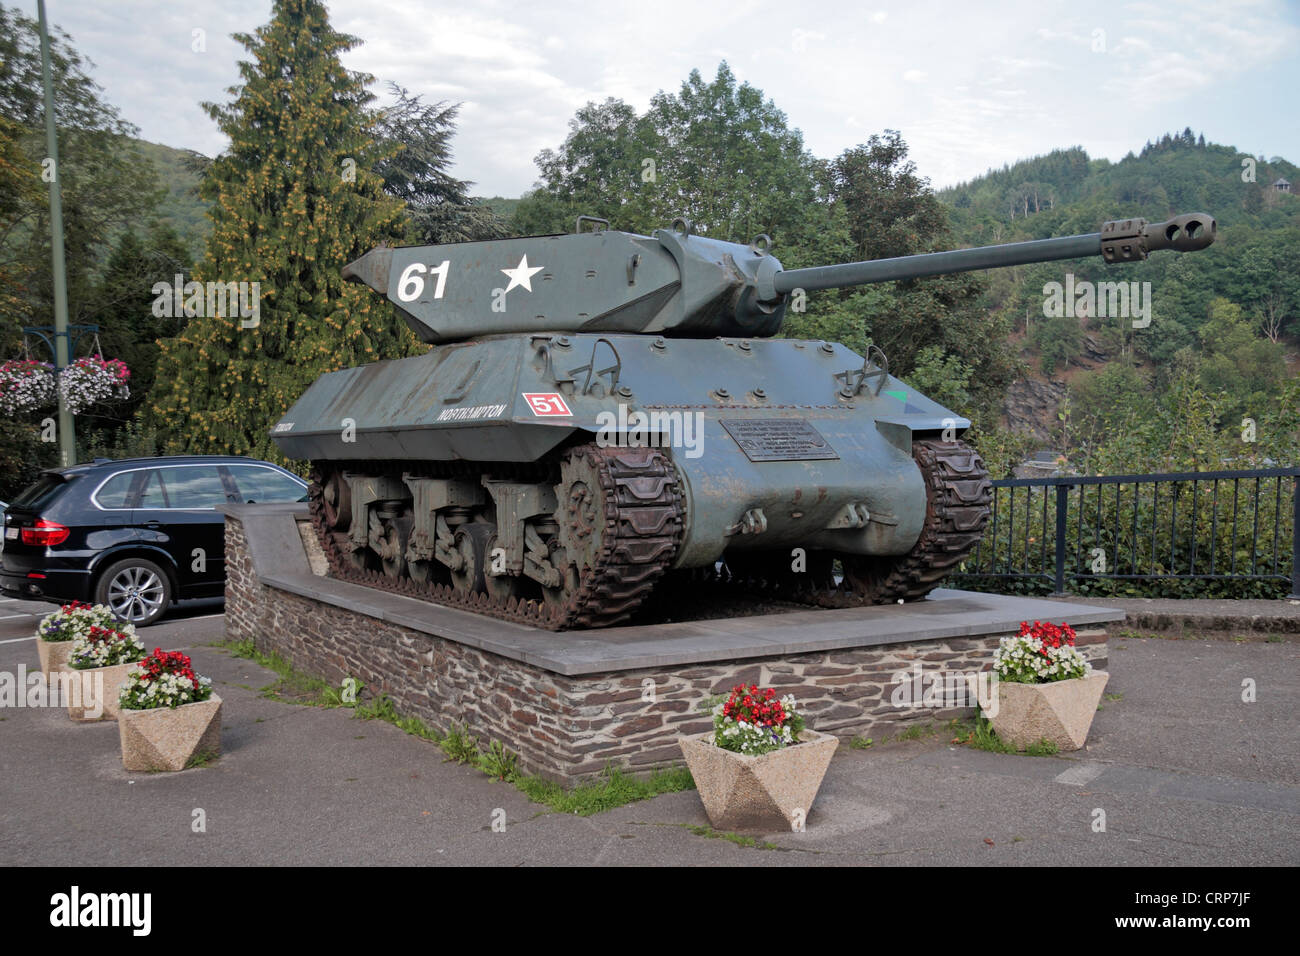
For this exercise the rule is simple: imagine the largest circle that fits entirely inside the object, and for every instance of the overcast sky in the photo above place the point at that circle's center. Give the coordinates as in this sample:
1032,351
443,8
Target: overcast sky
971,85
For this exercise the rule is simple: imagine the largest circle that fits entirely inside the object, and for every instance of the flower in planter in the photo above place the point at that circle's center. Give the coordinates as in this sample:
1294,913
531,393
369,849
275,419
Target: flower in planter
1039,654
105,647
163,680
93,379
73,621
753,721
25,385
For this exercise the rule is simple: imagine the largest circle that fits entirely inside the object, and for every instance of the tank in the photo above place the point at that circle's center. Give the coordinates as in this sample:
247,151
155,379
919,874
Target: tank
601,409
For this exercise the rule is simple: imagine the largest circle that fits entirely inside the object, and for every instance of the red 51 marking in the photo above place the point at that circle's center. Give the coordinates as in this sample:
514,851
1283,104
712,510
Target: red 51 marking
546,403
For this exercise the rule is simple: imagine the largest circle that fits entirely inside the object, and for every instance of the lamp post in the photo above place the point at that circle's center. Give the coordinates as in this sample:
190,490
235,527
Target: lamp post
67,437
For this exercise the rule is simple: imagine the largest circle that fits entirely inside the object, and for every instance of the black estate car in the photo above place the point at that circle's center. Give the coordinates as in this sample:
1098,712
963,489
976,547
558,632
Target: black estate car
135,534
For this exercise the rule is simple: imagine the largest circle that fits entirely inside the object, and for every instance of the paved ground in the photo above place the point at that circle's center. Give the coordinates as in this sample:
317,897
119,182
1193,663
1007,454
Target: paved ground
1185,772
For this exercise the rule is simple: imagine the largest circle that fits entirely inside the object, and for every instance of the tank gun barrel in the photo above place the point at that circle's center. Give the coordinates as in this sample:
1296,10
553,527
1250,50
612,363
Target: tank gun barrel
1121,240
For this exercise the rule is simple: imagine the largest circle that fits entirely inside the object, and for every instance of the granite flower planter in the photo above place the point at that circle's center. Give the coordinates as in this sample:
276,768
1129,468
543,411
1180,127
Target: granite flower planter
168,738
53,654
95,694
1060,711
772,790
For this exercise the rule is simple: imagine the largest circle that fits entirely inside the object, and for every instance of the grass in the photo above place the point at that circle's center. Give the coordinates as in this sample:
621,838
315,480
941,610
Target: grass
980,735
201,759
613,788
916,732
292,686
712,834
382,708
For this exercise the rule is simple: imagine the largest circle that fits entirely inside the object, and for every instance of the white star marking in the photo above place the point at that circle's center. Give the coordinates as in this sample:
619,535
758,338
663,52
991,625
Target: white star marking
522,275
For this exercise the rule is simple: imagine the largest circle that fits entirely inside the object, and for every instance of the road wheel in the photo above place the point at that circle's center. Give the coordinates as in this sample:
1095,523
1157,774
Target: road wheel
136,590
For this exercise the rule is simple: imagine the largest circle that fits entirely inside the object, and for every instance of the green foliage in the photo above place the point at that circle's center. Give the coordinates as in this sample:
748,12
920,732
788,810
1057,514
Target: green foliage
498,762
106,181
415,151
1059,341
980,735
880,208
942,377
613,788
129,330
736,838
460,746
202,758
383,708
22,456
1222,319
715,152
1136,533
917,732
181,210
292,686
286,214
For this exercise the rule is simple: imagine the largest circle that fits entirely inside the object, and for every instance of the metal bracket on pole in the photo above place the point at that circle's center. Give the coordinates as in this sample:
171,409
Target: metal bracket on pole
48,334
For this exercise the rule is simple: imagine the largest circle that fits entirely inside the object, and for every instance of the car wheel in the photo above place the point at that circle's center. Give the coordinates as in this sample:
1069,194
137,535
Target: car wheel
136,590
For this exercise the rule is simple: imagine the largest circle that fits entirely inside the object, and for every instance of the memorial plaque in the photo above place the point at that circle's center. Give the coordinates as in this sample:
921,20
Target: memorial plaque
779,439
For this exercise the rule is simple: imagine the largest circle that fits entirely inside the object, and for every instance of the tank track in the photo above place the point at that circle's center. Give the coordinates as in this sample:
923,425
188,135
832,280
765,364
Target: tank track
642,531
958,497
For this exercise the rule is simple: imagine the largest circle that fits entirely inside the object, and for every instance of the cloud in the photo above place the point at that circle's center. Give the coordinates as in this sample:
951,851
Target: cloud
967,90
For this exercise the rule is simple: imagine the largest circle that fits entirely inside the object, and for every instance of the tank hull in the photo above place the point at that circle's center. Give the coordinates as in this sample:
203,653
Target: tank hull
769,451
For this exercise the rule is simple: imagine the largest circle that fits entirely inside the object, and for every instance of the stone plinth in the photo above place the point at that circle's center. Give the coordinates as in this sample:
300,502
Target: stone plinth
568,703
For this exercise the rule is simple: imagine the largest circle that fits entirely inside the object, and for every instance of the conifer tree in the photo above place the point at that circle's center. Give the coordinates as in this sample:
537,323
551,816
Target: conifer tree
294,199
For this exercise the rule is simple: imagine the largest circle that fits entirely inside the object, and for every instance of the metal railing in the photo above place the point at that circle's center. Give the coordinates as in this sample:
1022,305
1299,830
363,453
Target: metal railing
1205,525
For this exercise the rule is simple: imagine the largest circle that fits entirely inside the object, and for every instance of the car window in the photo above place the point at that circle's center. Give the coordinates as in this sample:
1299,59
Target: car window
265,485
38,495
190,486
115,493
152,494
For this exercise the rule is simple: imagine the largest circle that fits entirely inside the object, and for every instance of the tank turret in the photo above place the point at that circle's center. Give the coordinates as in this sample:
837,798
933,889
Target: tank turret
677,283
603,409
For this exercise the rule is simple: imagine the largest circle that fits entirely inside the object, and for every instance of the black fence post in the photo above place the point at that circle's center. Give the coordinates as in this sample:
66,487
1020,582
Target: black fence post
1062,502
1295,539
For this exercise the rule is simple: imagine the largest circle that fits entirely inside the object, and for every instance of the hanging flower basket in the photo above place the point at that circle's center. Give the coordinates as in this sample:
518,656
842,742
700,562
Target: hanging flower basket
93,379
25,385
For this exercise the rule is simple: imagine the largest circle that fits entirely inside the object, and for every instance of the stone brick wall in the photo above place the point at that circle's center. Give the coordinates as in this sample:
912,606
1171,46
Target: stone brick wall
567,728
